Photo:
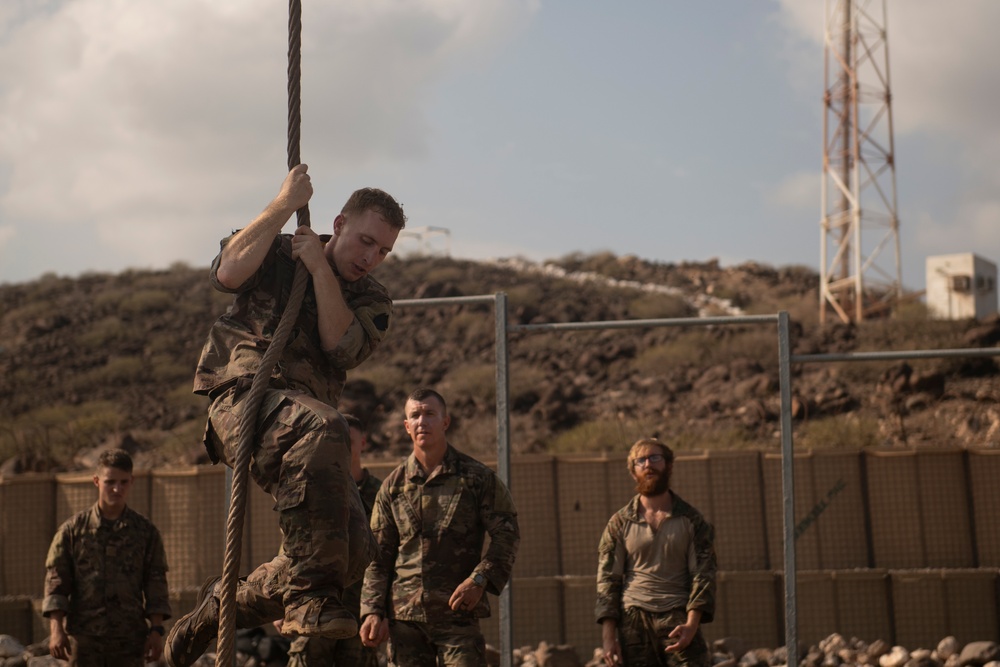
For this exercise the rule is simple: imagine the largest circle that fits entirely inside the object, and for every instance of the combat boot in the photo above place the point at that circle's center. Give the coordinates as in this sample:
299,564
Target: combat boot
192,633
320,617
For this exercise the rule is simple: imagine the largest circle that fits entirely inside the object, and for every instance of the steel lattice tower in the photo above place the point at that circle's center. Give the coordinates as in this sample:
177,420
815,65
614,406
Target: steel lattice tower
859,173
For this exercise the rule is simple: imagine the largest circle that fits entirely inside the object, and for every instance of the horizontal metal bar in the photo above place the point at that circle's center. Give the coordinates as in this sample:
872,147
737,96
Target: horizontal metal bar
446,301
899,354
634,324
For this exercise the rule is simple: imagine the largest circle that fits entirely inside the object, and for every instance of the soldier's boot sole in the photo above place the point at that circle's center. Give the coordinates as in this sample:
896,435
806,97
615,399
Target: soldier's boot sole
191,635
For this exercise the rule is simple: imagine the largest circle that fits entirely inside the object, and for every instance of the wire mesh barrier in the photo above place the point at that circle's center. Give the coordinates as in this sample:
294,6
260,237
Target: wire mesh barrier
898,545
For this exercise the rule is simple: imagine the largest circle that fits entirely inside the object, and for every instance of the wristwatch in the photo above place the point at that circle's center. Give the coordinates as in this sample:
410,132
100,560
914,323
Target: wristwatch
159,629
478,579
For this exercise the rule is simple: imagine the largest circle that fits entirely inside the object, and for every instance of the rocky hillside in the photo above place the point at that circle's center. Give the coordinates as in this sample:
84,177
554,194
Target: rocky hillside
104,358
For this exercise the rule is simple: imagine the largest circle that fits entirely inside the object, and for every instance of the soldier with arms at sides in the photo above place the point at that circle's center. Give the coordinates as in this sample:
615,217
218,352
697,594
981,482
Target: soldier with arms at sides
106,578
656,571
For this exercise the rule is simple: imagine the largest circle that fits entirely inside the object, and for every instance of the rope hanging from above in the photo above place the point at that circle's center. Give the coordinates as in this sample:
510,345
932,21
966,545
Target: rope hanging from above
226,655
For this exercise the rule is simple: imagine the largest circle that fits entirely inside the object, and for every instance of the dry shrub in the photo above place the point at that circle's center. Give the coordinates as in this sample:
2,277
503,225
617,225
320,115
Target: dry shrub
471,325
119,370
166,370
847,431
758,344
526,294
691,347
384,377
146,301
102,333
475,381
592,436
445,274
58,432
655,305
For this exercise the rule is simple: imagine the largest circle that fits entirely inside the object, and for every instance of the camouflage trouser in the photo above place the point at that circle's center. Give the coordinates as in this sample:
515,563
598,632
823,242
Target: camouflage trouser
301,456
644,635
107,652
457,644
322,652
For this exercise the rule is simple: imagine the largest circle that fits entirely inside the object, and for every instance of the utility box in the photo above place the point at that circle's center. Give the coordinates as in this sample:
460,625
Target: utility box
961,286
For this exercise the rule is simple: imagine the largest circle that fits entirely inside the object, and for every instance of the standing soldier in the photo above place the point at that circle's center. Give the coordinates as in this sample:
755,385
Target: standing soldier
426,589
106,577
656,571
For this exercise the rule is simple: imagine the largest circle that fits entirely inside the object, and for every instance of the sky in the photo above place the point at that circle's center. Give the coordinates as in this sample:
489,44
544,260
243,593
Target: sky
137,133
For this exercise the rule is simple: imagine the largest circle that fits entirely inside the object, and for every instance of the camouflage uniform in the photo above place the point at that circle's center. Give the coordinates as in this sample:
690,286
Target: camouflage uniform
316,651
301,454
643,629
431,531
107,577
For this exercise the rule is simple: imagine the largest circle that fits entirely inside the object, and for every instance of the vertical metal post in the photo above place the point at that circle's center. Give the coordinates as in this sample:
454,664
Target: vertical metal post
788,487
503,463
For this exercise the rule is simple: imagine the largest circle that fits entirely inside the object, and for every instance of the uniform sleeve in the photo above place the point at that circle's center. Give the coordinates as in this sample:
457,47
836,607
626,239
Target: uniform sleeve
155,581
379,575
253,280
703,568
58,573
364,335
499,516
610,571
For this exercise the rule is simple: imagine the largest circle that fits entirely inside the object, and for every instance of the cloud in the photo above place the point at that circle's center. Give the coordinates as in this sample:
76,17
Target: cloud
797,193
151,124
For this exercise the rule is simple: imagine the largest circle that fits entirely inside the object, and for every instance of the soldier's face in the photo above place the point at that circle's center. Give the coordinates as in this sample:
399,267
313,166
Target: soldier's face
113,486
651,478
360,242
358,442
426,422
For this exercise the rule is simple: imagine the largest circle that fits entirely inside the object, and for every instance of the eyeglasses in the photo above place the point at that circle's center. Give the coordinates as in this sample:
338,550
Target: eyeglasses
643,460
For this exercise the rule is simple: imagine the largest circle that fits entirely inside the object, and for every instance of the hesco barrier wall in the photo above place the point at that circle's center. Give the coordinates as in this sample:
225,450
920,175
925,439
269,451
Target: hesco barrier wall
895,545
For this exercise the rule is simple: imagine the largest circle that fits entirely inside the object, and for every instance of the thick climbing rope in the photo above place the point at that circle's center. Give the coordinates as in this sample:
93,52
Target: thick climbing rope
251,405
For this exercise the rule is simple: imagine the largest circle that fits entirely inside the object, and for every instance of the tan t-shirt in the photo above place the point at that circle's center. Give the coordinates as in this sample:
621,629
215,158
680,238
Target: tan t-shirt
657,577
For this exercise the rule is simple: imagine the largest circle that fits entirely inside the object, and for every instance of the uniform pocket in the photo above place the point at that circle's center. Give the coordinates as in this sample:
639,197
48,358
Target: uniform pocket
289,496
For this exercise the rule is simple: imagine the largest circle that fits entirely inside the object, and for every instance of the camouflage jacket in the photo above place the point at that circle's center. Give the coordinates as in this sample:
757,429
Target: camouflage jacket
695,548
240,337
368,488
431,532
107,576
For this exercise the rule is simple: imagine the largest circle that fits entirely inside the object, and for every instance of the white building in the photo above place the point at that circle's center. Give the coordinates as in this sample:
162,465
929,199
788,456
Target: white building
961,286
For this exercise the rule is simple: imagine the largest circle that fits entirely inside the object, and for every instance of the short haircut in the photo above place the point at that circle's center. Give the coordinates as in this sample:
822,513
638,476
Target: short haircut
353,422
421,394
373,199
668,454
115,458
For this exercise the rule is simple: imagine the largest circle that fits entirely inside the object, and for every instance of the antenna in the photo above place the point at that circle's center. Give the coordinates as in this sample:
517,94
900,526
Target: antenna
859,170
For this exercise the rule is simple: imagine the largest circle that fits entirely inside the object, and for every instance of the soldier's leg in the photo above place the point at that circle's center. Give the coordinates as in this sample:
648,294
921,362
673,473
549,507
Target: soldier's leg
303,460
313,652
258,601
105,652
351,652
460,644
639,641
410,645
695,654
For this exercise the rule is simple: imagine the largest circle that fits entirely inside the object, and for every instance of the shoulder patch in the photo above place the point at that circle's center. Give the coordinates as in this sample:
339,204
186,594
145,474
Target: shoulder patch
381,322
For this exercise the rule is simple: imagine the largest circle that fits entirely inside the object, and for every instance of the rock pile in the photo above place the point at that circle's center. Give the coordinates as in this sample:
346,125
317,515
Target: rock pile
255,648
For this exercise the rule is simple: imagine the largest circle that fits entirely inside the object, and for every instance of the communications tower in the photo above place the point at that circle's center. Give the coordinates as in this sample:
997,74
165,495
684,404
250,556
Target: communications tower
860,257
